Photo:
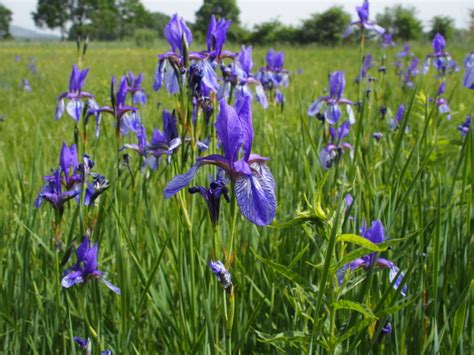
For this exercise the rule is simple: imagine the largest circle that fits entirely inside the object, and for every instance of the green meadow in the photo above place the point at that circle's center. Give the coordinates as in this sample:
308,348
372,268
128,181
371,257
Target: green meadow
285,298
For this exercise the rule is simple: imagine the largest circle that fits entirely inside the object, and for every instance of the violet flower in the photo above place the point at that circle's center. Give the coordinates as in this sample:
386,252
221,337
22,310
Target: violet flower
212,195
53,193
135,89
75,95
468,81
377,136
239,75
222,274
167,141
387,40
465,126
441,102
396,121
216,37
367,63
375,234
334,150
85,268
273,76
363,23
411,72
254,186
25,84
332,112
405,52
441,59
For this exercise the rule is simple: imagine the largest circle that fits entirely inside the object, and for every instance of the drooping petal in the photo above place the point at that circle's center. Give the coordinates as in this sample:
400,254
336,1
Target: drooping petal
71,279
74,109
179,182
159,72
394,271
332,113
316,106
261,96
60,106
111,286
255,195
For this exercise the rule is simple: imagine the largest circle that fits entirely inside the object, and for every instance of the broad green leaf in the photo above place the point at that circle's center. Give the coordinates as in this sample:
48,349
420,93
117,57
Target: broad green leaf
361,241
355,306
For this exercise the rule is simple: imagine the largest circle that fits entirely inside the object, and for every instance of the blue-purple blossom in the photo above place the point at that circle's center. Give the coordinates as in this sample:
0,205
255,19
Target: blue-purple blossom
25,84
75,95
54,192
387,40
405,52
217,188
411,72
468,81
363,23
216,37
334,150
273,76
367,63
84,344
396,121
375,234
465,126
441,59
441,102
85,268
239,76
178,34
254,186
135,89
377,136
330,105
222,274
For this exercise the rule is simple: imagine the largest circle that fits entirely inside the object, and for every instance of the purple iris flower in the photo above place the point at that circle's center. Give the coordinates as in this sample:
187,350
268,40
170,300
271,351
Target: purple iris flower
212,195
178,34
239,75
405,52
441,102
363,23
468,81
274,76
222,274
25,83
85,268
216,37
254,186
411,72
396,121
377,135
135,89
367,63
334,150
93,189
375,234
387,40
119,109
83,343
332,112
74,96
387,329
442,60
53,192
465,126
167,141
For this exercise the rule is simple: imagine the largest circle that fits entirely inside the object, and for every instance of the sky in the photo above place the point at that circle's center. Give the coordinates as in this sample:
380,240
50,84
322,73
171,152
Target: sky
287,11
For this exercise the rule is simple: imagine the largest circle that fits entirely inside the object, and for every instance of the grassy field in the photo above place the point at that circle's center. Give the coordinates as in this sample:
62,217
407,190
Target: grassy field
286,296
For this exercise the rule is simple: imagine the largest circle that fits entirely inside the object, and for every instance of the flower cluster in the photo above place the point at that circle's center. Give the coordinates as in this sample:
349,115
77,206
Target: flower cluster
273,76
441,59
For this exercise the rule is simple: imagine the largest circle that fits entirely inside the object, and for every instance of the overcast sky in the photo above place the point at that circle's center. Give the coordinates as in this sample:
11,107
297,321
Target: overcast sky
288,11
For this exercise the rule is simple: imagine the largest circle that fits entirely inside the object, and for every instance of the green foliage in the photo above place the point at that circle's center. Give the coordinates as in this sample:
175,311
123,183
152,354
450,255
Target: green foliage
401,22
227,9
5,19
443,25
272,32
144,37
326,27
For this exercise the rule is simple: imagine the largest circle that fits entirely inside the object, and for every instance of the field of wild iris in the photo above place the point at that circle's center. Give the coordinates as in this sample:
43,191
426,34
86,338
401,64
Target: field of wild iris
164,231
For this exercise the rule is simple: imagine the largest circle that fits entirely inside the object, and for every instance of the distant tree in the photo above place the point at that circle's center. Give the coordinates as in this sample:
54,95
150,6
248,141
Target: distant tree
52,14
5,19
227,9
326,27
401,22
132,15
443,25
272,32
159,21
471,21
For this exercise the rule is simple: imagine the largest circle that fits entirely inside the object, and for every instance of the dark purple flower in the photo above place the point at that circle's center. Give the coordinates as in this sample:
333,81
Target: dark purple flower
135,89
254,186
377,135
74,96
367,63
239,75
221,273
178,34
216,36
53,192
332,113
375,234
411,72
441,59
274,76
93,189
363,23
396,121
167,141
468,81
388,40
387,329
83,343
334,150
85,268
465,126
212,195
405,52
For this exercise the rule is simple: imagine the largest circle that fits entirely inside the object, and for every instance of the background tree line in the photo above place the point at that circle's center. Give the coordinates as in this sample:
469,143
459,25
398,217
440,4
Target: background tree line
109,20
